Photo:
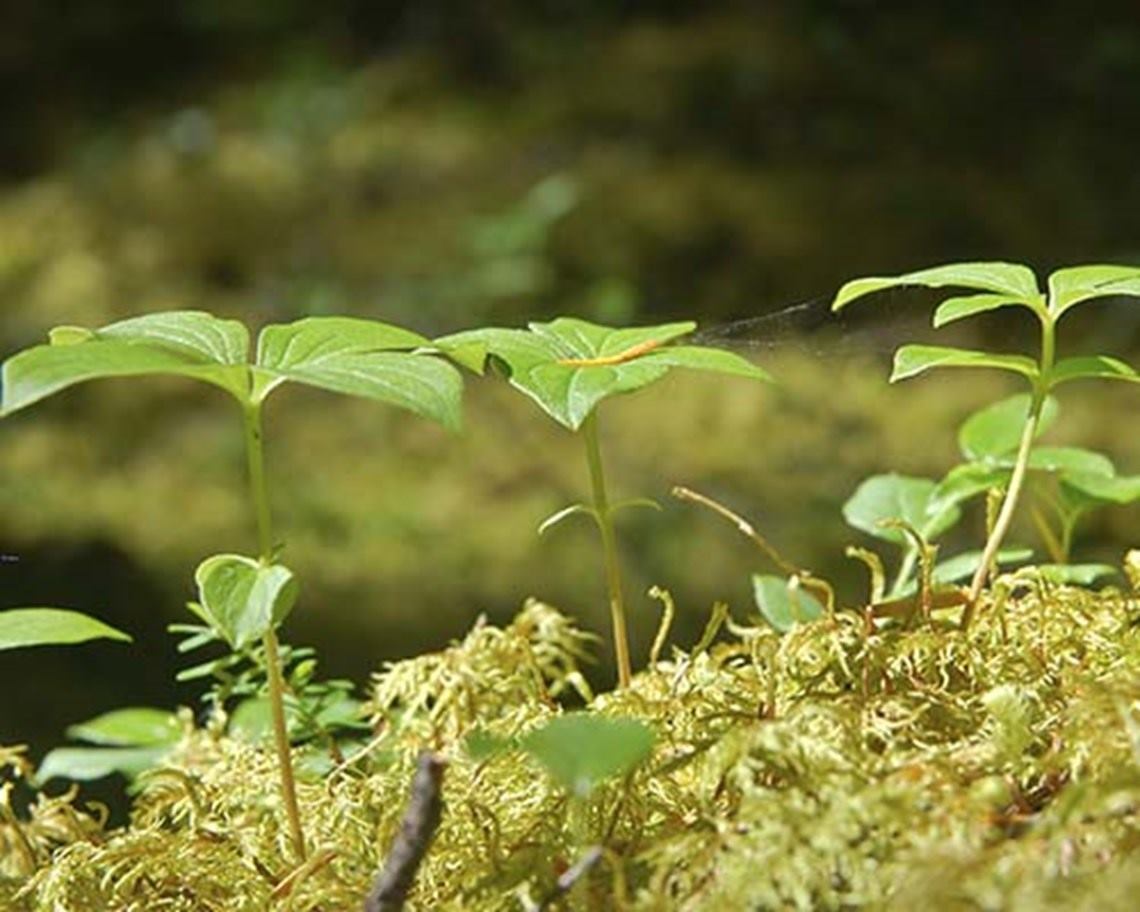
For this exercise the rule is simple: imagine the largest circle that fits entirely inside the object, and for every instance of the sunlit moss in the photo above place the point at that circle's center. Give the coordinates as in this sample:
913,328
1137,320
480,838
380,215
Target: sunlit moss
837,767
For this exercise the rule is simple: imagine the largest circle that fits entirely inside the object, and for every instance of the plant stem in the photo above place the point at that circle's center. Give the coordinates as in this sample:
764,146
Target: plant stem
256,455
1020,467
609,548
906,568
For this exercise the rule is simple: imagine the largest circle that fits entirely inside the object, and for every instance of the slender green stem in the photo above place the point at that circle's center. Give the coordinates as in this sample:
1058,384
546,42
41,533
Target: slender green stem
609,548
1020,467
255,452
906,568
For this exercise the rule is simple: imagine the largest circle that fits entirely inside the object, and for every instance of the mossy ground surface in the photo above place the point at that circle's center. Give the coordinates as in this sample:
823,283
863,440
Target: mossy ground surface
837,767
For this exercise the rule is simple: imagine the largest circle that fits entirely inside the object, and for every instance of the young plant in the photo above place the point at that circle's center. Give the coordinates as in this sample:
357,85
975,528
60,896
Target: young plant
246,599
996,285
569,367
1066,483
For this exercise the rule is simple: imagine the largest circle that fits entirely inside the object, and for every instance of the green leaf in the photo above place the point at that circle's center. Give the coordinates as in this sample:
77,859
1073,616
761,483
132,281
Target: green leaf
1075,574
565,513
39,372
959,308
136,726
1116,489
196,335
898,497
782,606
1091,367
915,359
966,481
242,598
1009,279
1070,459
580,750
360,358
569,365
962,566
996,429
1069,287
84,764
21,627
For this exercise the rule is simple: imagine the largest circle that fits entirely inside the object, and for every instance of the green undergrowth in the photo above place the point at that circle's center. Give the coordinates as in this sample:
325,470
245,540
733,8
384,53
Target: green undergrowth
839,766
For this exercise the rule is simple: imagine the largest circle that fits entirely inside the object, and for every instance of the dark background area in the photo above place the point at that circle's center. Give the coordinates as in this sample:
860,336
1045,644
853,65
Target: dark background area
444,165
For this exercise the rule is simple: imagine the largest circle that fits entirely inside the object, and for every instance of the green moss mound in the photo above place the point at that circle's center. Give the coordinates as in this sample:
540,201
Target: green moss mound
837,767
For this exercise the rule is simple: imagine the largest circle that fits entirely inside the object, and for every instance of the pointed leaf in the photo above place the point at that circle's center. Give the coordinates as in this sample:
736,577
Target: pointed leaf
707,359
1091,367
782,606
911,360
39,372
1069,287
555,518
996,429
21,627
898,497
581,750
243,598
136,726
192,333
959,308
364,358
569,365
1010,279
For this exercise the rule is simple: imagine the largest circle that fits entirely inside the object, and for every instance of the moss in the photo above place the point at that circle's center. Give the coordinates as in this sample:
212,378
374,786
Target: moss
832,768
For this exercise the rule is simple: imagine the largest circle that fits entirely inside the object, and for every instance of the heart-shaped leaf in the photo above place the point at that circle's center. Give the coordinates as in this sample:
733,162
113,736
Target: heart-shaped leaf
1074,284
21,627
899,497
569,365
581,750
243,599
996,429
1011,280
911,360
784,606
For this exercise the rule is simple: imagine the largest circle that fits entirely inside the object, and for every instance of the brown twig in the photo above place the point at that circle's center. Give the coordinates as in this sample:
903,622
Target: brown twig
421,819
569,878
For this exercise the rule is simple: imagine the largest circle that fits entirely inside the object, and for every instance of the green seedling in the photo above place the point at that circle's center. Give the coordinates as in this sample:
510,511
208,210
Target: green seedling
246,598
993,286
1065,483
569,367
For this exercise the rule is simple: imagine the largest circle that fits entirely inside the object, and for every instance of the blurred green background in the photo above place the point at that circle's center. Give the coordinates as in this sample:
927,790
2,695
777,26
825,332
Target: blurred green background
446,165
